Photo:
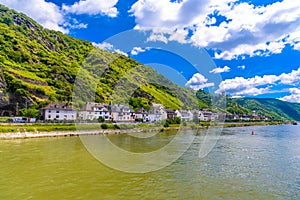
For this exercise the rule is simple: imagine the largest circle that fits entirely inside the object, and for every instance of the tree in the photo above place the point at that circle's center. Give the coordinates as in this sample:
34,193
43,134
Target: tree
31,112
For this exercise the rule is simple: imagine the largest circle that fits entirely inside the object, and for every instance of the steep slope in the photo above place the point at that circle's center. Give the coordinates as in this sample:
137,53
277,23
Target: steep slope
38,65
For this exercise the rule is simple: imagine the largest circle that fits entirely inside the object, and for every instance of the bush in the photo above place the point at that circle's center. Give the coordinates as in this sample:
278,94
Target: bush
166,124
40,90
104,126
116,126
100,119
176,120
139,120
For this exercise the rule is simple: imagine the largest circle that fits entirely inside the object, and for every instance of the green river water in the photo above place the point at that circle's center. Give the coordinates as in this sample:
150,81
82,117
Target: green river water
240,166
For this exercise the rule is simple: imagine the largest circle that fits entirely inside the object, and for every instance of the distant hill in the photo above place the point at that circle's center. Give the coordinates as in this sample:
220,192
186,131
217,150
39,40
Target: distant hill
265,106
272,107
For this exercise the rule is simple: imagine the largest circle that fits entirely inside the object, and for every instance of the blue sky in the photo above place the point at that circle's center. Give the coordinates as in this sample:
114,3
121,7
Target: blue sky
254,44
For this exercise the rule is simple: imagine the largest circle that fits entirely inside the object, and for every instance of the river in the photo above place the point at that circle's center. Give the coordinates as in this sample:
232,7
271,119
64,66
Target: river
240,166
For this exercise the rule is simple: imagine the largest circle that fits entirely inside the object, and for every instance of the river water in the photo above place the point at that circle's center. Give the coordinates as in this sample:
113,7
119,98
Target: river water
240,166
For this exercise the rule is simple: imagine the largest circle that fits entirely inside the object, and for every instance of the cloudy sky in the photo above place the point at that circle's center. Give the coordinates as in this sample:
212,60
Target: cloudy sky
255,44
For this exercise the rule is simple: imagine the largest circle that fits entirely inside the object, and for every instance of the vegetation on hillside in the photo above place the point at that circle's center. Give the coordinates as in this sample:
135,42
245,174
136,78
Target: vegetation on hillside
272,107
38,65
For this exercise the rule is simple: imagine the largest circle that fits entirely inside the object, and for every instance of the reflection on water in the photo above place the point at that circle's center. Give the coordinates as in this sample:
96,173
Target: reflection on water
241,166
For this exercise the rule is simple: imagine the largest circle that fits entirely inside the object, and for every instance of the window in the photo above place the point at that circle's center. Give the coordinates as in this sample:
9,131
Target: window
57,111
65,116
49,111
57,117
49,116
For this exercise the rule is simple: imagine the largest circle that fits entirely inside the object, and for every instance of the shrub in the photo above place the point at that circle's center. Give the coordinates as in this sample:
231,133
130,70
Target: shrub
116,126
166,124
100,119
104,126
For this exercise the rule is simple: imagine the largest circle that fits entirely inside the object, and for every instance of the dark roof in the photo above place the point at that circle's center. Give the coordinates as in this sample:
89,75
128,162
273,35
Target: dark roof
58,106
141,111
91,105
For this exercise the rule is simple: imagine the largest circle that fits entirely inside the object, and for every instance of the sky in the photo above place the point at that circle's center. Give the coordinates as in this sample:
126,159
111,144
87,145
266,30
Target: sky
254,44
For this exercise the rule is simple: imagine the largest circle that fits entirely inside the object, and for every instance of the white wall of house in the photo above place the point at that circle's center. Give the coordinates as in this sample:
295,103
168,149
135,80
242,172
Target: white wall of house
52,114
144,116
155,117
123,116
185,115
93,115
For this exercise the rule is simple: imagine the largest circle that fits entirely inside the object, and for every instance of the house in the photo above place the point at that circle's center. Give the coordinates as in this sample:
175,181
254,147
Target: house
170,113
185,115
142,114
94,111
208,115
122,113
58,111
157,113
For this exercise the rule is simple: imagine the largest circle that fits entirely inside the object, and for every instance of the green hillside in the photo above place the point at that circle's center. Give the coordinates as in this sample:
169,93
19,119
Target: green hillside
245,106
272,107
38,65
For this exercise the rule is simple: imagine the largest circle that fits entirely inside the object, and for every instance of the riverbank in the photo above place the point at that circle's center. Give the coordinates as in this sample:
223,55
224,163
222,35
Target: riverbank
22,131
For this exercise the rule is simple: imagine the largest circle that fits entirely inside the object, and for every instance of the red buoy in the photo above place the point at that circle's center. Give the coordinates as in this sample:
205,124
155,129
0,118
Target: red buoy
252,133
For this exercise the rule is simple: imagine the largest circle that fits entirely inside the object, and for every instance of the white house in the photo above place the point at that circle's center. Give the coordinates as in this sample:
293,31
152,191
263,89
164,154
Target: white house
142,114
208,116
58,111
157,113
185,115
121,113
93,111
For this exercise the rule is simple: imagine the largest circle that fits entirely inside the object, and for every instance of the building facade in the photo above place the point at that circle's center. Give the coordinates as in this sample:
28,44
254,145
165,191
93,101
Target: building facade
58,111
94,111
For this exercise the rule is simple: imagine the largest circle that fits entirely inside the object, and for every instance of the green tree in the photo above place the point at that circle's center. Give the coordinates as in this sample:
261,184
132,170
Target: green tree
31,112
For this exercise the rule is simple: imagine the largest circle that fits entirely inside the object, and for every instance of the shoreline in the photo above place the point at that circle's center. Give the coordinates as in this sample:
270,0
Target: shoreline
70,133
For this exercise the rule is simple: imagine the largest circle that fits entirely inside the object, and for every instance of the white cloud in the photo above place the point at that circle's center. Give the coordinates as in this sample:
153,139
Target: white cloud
109,47
240,86
118,51
297,46
198,81
136,50
219,70
166,35
249,30
242,67
290,78
293,97
104,46
74,24
45,13
154,37
93,7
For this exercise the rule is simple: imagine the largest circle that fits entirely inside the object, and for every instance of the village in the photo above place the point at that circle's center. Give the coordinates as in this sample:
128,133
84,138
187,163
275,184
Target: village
99,112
